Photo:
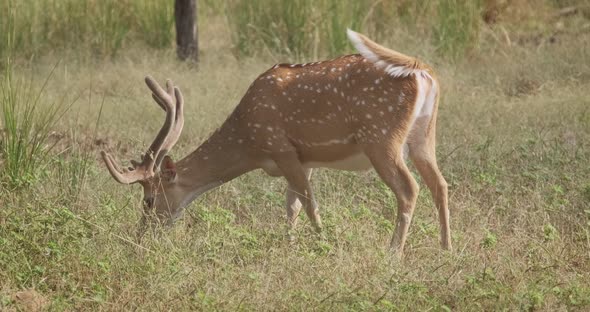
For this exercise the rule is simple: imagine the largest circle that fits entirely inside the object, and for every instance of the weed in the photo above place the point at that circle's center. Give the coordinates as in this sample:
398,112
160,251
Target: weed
549,232
489,241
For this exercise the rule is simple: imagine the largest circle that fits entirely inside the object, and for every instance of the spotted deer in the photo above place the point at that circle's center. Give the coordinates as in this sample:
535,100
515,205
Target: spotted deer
350,113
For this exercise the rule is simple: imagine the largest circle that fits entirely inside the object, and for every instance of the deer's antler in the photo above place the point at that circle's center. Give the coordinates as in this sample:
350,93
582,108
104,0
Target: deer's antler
172,102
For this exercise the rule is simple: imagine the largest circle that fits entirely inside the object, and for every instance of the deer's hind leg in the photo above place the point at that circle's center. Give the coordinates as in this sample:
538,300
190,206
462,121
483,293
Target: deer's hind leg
422,154
387,159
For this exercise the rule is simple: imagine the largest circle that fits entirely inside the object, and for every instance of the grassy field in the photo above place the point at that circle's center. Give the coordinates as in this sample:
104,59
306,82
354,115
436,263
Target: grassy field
513,143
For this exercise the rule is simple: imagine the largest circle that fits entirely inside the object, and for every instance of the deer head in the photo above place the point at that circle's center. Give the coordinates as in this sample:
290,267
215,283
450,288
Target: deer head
156,171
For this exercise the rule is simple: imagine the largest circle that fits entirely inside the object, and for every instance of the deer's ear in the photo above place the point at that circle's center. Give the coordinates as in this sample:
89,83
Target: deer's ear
168,169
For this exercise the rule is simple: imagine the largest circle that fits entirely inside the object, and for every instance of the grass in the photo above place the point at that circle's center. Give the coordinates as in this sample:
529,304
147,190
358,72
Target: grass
97,28
297,29
26,128
457,28
155,22
513,143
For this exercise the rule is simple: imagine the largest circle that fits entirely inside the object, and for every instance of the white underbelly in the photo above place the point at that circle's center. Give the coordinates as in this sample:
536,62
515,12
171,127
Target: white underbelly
357,162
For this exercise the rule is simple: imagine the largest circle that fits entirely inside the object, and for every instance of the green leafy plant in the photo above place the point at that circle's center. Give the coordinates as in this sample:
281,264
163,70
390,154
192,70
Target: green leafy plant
489,241
550,232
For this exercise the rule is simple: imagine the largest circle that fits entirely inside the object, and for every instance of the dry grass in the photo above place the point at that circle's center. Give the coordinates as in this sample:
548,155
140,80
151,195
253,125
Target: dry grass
514,133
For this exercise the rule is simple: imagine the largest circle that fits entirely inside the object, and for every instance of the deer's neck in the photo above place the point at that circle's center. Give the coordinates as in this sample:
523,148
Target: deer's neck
215,162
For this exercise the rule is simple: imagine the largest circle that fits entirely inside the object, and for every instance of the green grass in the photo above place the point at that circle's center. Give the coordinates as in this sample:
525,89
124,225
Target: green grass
26,123
513,143
456,31
297,29
97,28
155,22
300,29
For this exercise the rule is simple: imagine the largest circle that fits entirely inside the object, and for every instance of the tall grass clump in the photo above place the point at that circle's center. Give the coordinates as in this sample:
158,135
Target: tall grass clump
15,32
339,15
96,26
297,29
101,27
457,27
277,26
313,28
111,26
155,21
73,165
26,122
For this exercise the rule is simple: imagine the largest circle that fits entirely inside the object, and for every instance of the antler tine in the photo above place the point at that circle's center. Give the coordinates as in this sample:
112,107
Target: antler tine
170,88
170,91
179,106
166,101
159,101
176,127
158,91
126,177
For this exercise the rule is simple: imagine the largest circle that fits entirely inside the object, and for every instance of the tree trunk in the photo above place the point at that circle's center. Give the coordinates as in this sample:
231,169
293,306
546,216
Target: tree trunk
187,40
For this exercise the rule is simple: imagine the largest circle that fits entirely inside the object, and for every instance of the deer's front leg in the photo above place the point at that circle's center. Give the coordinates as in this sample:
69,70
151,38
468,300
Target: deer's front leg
299,188
293,203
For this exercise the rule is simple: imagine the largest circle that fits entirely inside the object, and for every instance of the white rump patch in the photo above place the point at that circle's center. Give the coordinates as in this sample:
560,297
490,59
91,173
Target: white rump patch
391,69
356,162
427,90
421,86
428,106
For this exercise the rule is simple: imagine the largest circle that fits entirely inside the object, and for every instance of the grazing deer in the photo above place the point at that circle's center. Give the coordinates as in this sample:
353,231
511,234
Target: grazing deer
351,113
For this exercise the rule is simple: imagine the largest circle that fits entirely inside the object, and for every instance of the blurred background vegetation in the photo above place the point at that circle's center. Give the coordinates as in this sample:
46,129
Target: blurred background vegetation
297,29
